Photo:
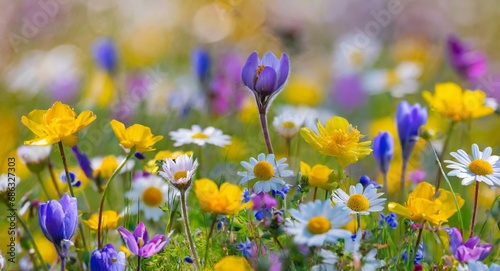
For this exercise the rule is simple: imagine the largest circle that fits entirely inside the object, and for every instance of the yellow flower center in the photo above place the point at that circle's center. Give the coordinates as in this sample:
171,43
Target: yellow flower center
318,225
140,241
199,136
263,170
288,125
152,196
480,167
358,203
257,73
180,174
392,78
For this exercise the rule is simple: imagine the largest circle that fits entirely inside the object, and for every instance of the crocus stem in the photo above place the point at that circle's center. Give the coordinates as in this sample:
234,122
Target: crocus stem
101,206
39,178
28,232
208,237
386,188
443,151
68,180
138,263
63,263
265,131
185,218
53,178
473,220
419,237
403,180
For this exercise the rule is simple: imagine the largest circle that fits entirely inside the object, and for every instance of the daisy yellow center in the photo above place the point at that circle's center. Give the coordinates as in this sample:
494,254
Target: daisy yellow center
199,136
288,124
152,196
319,225
480,167
358,203
263,170
392,78
180,174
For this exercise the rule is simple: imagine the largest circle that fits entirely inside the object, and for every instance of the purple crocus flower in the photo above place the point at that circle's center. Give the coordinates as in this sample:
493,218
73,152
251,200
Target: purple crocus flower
468,251
263,201
408,121
266,77
348,92
105,54
58,221
107,259
83,162
365,182
383,150
139,244
466,62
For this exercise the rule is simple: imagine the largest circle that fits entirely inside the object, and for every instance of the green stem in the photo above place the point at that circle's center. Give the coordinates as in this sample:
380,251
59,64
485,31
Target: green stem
172,214
63,263
39,178
101,206
403,180
358,221
386,188
445,146
70,185
138,263
315,192
419,237
185,218
53,178
473,220
212,225
28,232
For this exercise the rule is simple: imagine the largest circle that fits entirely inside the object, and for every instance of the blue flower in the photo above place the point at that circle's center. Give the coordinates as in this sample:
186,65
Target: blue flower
83,161
418,257
408,121
266,77
389,219
245,248
200,61
72,176
383,150
188,259
107,259
105,54
58,221
365,182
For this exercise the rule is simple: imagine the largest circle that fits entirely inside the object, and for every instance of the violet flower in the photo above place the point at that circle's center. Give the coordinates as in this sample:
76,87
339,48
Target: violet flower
139,244
108,259
468,251
263,201
466,62
266,77
200,62
105,54
383,150
58,221
408,121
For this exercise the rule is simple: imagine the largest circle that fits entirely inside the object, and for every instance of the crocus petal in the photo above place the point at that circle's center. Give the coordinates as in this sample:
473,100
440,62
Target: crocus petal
283,71
248,72
141,232
266,81
130,240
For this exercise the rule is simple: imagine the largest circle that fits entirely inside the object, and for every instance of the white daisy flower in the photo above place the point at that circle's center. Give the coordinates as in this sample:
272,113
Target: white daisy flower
328,263
318,222
267,171
481,166
148,194
8,182
359,201
200,137
180,171
287,125
33,154
400,81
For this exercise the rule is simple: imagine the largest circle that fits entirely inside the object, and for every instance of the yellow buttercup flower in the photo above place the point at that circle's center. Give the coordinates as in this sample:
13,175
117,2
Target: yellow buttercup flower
317,175
339,139
151,166
58,123
303,92
449,100
421,204
226,200
107,167
109,220
138,136
233,263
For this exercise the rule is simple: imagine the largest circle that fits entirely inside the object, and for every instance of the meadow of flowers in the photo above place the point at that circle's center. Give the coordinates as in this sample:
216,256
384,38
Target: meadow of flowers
259,135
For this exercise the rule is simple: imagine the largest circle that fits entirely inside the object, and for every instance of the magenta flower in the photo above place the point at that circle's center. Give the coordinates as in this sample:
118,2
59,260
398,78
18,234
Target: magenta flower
266,77
139,244
466,62
468,251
